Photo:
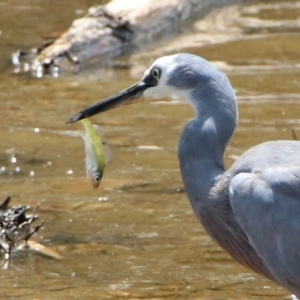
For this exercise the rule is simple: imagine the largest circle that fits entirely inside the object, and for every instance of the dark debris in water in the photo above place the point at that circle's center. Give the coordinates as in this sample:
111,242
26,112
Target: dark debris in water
16,226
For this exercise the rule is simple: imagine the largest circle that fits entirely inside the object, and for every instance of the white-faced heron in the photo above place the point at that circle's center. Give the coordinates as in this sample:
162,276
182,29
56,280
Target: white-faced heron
253,209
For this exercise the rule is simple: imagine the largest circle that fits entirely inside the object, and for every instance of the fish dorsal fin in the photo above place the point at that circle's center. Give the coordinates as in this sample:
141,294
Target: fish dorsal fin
108,153
98,129
107,150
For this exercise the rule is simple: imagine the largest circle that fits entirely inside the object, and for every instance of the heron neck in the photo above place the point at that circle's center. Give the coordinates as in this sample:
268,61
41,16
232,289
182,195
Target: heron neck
201,150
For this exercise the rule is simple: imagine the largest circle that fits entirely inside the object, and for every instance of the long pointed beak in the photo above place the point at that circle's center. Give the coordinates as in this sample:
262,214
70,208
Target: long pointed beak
125,97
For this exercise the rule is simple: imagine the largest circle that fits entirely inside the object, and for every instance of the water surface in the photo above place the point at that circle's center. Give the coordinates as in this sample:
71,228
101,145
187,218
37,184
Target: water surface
136,236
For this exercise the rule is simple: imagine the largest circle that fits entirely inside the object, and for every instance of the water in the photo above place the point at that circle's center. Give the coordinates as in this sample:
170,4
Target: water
136,236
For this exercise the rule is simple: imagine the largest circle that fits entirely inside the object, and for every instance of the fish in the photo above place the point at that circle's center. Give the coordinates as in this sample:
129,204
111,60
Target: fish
95,160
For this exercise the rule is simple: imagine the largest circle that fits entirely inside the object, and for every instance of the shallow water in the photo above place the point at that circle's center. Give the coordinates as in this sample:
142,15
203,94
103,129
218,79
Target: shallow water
136,236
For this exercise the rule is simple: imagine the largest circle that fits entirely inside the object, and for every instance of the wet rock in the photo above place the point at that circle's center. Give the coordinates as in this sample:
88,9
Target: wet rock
106,32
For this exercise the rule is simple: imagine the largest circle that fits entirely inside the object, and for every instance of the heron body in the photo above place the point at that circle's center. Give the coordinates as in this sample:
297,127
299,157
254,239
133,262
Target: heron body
251,210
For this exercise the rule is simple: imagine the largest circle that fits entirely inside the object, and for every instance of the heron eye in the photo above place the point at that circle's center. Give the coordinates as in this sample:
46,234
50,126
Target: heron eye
156,73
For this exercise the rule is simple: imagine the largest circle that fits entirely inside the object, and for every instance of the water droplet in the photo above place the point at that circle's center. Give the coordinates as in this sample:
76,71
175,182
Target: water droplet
103,199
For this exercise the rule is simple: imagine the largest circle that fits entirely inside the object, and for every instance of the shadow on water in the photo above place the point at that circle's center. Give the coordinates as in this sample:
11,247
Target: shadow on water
136,236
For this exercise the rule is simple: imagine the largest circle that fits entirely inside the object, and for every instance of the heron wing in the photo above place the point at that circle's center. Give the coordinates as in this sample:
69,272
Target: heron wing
266,204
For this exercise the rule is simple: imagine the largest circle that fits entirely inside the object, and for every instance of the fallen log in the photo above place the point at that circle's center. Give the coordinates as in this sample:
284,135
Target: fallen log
105,32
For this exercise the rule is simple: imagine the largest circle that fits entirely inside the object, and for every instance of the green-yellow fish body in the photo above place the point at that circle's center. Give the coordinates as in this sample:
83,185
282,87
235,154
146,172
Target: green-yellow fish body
95,153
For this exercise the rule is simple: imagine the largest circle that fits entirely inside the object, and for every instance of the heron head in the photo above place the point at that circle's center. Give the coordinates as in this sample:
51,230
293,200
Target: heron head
179,76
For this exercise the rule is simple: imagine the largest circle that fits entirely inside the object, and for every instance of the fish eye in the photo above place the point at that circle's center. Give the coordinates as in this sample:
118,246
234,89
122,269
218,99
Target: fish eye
155,73
97,178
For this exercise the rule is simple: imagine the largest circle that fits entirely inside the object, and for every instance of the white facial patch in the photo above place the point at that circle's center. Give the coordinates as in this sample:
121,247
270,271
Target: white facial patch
166,64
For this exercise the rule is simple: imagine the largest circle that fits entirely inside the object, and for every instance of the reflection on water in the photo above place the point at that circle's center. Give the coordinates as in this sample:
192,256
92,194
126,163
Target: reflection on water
136,236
